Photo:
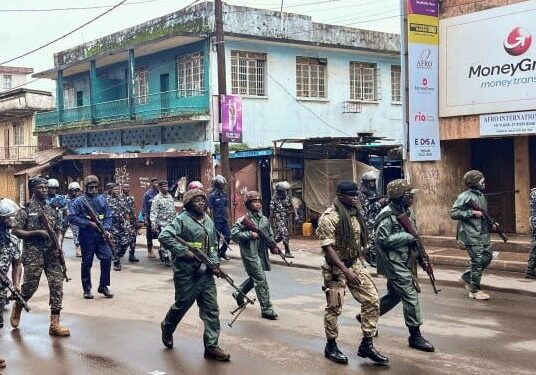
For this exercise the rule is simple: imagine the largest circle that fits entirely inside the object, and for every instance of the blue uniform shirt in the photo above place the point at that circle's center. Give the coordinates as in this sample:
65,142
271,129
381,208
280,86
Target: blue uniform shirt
217,201
78,213
147,202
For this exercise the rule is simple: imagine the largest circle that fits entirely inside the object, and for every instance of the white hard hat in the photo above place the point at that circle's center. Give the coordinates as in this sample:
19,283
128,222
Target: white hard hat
74,185
8,207
53,183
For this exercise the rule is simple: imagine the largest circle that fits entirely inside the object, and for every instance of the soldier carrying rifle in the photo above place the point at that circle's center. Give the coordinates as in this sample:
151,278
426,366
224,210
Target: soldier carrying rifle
395,261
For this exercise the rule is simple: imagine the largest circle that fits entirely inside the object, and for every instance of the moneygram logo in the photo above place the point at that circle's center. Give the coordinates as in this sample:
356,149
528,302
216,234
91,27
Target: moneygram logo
518,41
424,61
423,87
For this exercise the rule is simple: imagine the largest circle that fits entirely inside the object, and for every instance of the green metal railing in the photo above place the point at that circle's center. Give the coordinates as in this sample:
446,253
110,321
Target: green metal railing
146,107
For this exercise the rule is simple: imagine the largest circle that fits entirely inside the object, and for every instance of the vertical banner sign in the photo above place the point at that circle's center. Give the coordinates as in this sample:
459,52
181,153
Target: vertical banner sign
423,78
231,118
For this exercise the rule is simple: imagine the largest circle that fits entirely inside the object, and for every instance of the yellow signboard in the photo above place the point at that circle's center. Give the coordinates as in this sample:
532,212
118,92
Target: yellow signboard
423,29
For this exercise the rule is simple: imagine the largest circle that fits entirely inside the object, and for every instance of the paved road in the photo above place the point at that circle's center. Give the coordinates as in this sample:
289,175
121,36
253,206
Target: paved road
122,335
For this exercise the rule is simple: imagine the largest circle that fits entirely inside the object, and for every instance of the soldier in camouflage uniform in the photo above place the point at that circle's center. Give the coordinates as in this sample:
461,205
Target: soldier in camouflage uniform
531,264
395,262
473,232
59,203
371,204
119,232
38,255
193,281
254,253
342,232
162,213
131,222
9,251
280,210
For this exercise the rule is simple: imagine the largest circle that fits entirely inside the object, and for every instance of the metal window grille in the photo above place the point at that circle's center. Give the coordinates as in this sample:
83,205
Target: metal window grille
364,82
395,84
18,133
69,99
141,75
248,73
311,77
191,74
7,81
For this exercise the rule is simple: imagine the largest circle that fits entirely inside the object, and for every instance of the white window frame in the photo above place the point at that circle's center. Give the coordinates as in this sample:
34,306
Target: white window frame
191,74
18,133
396,84
7,81
69,96
365,82
248,73
141,76
311,77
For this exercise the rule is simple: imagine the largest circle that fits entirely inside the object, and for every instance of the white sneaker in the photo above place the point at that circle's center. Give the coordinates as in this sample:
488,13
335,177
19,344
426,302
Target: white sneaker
479,295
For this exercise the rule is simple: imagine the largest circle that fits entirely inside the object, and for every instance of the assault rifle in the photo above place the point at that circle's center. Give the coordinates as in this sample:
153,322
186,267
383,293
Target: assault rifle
216,270
274,249
418,246
58,252
15,294
489,221
100,228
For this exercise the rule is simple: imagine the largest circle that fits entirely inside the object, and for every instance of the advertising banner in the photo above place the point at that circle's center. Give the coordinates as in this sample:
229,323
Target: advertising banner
423,79
231,118
488,61
502,124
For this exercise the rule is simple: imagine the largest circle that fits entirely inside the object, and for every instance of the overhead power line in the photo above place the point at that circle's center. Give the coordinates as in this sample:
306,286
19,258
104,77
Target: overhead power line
73,8
65,35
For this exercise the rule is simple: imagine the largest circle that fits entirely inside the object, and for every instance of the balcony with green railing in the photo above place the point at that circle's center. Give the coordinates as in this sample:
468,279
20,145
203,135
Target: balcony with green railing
162,105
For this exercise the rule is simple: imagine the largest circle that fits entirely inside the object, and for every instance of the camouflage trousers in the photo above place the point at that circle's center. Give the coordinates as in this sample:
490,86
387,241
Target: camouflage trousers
7,256
481,256
281,230
531,265
36,260
75,231
364,291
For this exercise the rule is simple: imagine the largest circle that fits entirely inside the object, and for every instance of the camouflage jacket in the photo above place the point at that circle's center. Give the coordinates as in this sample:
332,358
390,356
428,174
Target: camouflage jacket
328,232
28,219
471,230
533,209
163,210
118,213
9,249
280,206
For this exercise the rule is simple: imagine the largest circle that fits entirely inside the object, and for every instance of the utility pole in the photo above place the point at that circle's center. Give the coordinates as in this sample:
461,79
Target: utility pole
222,83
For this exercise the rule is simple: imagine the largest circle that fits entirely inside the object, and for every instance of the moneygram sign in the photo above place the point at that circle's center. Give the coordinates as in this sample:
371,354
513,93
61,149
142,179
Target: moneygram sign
488,61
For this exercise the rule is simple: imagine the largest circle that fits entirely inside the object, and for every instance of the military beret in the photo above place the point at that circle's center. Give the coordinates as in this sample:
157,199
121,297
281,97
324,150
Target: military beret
347,187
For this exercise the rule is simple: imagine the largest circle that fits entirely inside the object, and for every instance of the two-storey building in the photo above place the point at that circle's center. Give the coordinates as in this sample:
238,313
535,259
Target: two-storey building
139,103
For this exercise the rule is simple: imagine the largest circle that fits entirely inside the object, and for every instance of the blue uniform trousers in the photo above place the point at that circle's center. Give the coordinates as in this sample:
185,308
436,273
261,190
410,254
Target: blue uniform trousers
91,246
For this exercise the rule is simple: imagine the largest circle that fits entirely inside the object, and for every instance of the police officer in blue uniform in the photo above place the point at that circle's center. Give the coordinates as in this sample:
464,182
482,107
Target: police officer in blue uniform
91,242
217,202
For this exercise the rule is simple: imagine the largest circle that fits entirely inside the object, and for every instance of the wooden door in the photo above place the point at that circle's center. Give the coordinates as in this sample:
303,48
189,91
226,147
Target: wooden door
495,158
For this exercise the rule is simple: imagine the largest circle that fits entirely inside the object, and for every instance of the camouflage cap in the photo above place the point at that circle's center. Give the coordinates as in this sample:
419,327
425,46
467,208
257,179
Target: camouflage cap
191,194
397,188
251,196
472,178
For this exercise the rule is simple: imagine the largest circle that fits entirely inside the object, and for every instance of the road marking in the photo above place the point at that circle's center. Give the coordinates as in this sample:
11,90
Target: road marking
156,372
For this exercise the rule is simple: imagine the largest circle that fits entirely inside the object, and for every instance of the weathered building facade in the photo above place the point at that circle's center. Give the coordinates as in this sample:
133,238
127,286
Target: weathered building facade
478,123
139,102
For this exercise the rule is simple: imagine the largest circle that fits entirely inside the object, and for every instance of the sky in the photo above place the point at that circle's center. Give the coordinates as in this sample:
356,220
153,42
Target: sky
26,25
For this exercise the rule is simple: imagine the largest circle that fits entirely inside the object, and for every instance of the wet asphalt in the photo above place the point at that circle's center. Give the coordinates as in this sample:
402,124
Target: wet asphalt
471,337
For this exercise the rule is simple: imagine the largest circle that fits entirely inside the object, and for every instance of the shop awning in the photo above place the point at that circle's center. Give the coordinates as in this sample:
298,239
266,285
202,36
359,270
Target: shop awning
135,155
44,159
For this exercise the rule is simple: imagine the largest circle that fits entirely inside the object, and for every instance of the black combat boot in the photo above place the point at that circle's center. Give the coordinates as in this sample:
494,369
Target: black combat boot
332,352
167,338
132,258
117,265
216,353
104,290
418,342
287,252
367,350
530,274
271,315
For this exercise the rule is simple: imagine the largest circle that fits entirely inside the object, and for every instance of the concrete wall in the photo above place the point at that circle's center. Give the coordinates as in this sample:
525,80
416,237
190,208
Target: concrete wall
279,115
440,183
16,80
29,138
